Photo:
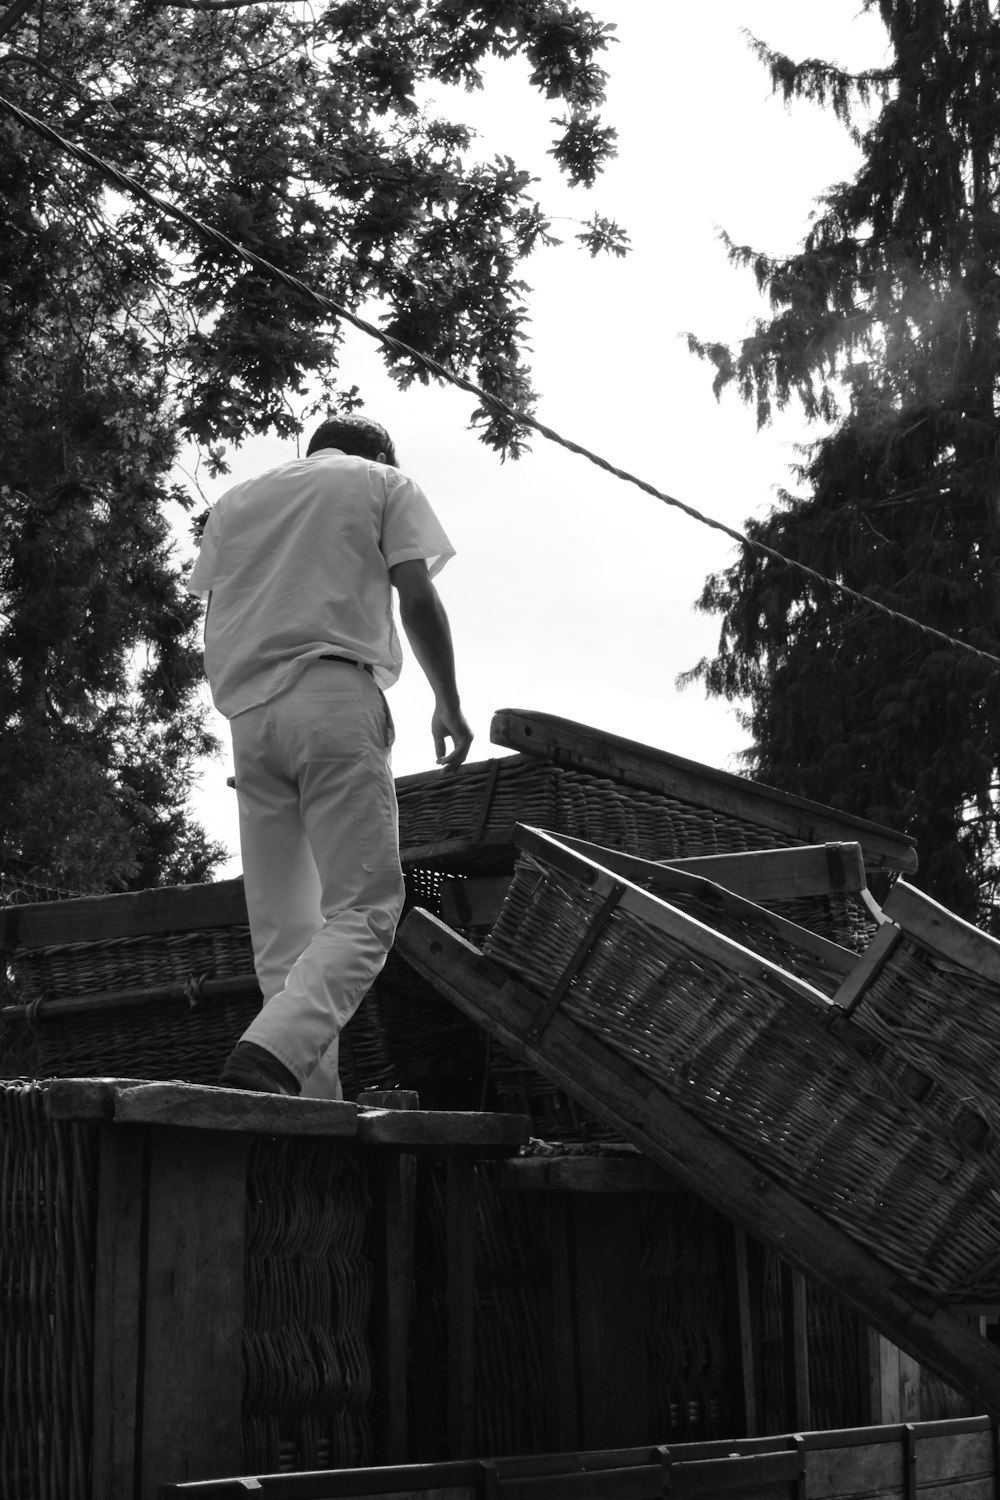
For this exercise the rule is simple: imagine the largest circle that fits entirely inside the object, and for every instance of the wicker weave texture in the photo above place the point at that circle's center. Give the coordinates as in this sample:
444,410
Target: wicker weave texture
761,1068
307,1363
926,1013
471,805
47,1237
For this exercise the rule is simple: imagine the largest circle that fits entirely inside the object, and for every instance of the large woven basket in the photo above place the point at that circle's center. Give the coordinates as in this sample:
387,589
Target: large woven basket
747,1048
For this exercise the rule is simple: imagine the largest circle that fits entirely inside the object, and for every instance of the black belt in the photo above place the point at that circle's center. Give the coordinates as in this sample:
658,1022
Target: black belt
349,661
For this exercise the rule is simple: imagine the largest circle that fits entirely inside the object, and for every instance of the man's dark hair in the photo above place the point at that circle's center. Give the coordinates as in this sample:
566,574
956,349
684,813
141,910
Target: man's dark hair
359,436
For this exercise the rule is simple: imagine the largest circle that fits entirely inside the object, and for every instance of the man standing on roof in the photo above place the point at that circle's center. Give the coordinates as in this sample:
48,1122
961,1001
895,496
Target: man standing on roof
299,566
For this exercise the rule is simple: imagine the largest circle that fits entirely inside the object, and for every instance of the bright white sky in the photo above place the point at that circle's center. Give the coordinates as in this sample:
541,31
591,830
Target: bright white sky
572,593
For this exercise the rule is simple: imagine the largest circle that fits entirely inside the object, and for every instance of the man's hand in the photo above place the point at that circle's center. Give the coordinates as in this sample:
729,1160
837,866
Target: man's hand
427,630
450,725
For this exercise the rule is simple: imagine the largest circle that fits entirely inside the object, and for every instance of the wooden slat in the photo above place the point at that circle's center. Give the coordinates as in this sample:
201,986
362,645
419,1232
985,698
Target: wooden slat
194,1106
93,919
702,1160
587,1174
577,745
761,874
443,1132
934,926
869,964
194,1309
118,1299
463,1355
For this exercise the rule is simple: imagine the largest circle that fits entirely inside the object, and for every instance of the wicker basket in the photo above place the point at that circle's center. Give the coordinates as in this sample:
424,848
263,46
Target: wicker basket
799,950
747,1048
175,1031
454,818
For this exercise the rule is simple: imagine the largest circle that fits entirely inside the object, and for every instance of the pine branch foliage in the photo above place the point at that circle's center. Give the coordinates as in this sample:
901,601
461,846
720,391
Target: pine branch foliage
886,327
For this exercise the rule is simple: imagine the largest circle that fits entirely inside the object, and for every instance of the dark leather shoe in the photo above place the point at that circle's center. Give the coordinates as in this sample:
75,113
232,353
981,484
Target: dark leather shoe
251,1067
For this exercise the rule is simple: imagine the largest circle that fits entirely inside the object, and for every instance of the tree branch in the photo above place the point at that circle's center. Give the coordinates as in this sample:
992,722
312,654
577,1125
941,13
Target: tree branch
13,14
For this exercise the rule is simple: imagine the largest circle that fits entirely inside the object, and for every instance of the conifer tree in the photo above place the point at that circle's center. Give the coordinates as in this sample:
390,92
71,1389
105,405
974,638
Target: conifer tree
885,327
303,133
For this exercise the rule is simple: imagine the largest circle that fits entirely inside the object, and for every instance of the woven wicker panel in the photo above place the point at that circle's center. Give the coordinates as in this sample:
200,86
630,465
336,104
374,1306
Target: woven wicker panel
307,1364
686,1332
760,1067
843,918
553,1114
76,969
179,1038
924,1012
470,805
47,1232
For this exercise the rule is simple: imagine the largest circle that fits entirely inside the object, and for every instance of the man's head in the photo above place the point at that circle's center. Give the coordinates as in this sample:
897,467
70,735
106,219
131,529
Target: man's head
357,435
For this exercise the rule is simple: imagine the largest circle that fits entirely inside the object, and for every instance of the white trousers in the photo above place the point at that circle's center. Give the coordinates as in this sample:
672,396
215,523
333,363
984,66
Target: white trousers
319,836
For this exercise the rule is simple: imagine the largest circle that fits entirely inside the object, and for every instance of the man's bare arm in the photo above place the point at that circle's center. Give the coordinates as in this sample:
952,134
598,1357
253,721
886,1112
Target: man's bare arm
429,634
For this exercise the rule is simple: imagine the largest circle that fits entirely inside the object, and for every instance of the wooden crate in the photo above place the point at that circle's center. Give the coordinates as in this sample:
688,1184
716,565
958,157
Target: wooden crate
200,1281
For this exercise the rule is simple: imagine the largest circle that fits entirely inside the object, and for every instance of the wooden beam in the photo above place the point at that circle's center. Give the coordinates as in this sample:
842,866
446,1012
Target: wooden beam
94,919
703,1161
587,1174
435,1132
761,874
798,820
195,1106
934,926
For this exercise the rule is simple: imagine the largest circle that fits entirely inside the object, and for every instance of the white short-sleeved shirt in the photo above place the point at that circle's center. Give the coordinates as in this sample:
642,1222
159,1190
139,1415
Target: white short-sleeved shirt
297,563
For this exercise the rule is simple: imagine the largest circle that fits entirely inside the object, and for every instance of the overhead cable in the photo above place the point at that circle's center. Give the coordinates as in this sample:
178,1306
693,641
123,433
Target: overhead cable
523,419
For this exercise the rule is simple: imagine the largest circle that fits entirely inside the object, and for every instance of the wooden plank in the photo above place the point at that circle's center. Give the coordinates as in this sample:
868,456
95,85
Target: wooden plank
443,1132
747,1340
587,1174
392,1178
461,1247
869,964
802,821
934,926
795,1341
950,1455
94,919
612,1314
117,1303
703,1161
557,1333
198,1107
762,874
194,1312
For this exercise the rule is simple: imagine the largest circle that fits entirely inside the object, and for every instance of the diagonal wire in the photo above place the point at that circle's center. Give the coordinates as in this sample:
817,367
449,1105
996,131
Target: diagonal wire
493,403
